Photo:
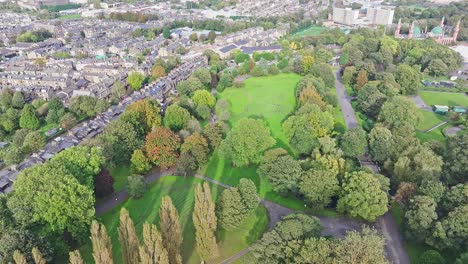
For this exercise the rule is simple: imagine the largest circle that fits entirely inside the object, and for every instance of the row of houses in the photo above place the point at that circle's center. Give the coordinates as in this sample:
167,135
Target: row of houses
159,90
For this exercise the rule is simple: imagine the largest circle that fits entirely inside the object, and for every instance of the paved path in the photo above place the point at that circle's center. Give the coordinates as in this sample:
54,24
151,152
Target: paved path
420,103
345,103
436,126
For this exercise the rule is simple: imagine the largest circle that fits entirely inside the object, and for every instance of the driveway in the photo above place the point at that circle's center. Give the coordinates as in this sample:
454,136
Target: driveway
420,103
345,103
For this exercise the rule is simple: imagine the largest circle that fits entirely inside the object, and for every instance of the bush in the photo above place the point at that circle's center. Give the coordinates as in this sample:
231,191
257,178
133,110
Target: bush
239,84
136,186
431,257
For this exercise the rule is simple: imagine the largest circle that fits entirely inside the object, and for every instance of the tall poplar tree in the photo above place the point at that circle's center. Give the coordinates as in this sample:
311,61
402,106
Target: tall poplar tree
37,255
205,221
171,231
75,257
19,257
128,238
102,246
152,251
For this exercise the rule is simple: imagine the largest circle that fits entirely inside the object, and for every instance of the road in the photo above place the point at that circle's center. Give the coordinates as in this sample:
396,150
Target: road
386,223
345,103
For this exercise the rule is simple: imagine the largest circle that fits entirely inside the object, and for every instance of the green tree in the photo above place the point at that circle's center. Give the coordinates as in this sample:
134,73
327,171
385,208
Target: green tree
197,146
354,142
232,209
28,118
205,222
248,192
128,238
318,187
176,117
33,142
171,231
135,80
68,121
306,63
381,144
348,75
454,226
203,75
324,71
431,257
420,216
136,186
189,86
247,141
152,251
417,163
214,133
55,111
366,247
437,67
102,245
370,99
398,111
117,91
140,164
408,78
203,97
120,140
455,155
17,101
362,196
361,79
211,36
186,165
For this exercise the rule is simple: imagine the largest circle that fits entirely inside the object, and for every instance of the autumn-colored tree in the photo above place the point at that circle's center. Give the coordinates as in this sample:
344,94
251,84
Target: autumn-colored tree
152,251
405,192
205,221
171,231
37,256
361,79
306,63
149,112
75,257
161,147
310,95
158,71
197,146
128,238
19,257
102,245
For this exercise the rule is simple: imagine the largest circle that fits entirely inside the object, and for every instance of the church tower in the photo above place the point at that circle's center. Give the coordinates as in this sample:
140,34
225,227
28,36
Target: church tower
411,29
455,32
442,22
397,30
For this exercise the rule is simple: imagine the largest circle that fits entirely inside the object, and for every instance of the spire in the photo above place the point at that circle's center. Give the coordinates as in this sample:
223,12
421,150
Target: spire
455,32
397,31
411,29
442,22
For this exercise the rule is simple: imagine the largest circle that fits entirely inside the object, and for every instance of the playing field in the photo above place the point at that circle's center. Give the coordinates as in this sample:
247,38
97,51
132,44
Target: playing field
444,98
181,190
310,31
273,99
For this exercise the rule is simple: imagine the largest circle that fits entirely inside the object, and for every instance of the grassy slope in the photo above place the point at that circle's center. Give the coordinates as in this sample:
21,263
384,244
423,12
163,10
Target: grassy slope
444,98
272,98
120,175
181,190
429,119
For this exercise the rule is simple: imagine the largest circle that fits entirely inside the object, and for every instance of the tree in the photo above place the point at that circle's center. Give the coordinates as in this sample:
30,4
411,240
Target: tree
67,121
315,250
75,257
117,91
405,192
140,164
306,63
6,97
193,37
361,79
37,256
453,227
197,146
136,186
281,170
55,111
128,238
348,75
189,86
28,118
176,117
213,132
420,216
455,168
186,165
232,212
53,197
171,231
381,144
102,245
19,257
398,111
408,78
362,196
248,192
431,257
324,71
87,106
203,75
246,142
310,96
166,32
158,72
103,184
33,142
203,112
305,127
367,247
437,67
120,139
135,80
203,97
417,163
147,114
354,142
152,251
205,221
161,147
80,161
318,187
211,36
370,99
17,101
434,189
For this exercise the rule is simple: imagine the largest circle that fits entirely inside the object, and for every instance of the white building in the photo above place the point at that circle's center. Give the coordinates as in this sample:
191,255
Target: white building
380,15
346,16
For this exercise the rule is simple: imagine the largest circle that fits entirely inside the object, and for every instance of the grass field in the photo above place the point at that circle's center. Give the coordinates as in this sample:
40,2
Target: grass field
70,16
444,98
310,31
429,119
273,99
181,190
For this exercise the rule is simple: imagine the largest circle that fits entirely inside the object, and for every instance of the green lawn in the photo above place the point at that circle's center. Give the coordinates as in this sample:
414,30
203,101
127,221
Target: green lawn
181,190
120,175
340,124
429,119
273,99
444,98
70,16
310,31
